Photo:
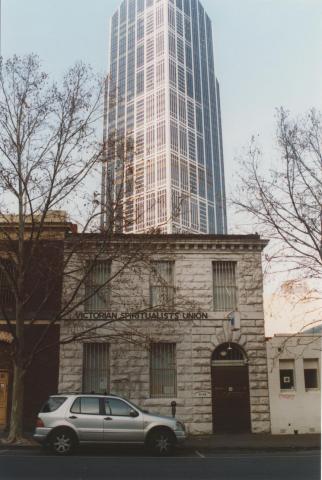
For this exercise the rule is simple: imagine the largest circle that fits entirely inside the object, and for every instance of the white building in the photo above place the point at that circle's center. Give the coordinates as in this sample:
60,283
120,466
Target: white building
173,337
294,366
164,95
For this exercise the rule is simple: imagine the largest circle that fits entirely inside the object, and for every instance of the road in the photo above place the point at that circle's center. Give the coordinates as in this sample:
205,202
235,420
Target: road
135,464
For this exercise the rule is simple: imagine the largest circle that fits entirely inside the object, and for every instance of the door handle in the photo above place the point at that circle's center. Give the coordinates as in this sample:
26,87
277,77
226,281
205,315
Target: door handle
108,418
73,417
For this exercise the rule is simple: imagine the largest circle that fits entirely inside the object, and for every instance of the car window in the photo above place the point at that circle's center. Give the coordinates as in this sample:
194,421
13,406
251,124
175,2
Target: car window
86,405
117,407
52,404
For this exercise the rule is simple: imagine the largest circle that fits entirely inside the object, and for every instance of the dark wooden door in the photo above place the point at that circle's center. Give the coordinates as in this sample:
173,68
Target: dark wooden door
230,399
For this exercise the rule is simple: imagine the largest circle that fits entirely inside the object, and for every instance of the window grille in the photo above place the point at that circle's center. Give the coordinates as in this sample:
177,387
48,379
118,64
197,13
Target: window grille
225,289
287,374
162,284
96,286
96,370
163,372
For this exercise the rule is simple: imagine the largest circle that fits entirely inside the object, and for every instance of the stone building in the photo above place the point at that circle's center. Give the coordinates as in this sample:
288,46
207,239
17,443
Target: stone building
162,318
294,366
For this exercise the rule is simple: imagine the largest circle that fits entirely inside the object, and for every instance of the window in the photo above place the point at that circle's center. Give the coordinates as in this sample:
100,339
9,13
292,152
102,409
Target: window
160,44
140,29
139,206
173,104
140,82
140,56
181,79
149,50
96,370
172,73
96,285
162,206
159,16
149,23
86,405
225,289
150,209
160,101
180,50
150,174
311,374
150,77
114,406
163,374
52,404
160,135
7,297
140,112
162,284
174,170
150,140
160,72
287,374
161,169
172,44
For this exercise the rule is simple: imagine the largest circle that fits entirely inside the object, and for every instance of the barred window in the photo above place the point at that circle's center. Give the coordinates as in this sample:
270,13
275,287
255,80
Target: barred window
287,381
97,287
225,288
162,284
96,375
163,371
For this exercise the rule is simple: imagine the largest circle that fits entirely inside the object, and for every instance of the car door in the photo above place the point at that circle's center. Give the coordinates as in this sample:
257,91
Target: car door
120,424
87,418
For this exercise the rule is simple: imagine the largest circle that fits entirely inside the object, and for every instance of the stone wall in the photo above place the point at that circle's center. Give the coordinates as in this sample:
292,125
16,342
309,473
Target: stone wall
195,339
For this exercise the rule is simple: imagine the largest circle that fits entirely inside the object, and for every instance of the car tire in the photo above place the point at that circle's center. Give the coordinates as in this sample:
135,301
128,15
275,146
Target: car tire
62,442
161,443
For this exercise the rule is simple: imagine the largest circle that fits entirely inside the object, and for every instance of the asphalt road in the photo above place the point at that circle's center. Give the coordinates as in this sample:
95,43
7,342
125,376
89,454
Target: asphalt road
135,464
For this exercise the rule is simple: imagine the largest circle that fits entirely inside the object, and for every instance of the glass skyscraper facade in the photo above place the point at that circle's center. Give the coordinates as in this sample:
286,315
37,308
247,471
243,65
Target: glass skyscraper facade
163,98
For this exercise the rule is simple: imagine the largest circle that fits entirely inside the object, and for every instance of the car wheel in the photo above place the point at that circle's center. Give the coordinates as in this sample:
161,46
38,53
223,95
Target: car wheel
62,442
161,443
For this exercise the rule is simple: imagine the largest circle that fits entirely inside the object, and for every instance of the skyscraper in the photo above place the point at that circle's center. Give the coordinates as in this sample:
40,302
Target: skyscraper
163,96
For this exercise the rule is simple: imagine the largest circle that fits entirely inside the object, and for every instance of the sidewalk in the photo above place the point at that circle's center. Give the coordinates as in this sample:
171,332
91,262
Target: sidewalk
251,441
228,442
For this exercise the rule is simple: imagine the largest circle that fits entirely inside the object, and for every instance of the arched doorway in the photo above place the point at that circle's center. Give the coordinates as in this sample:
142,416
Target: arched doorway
230,389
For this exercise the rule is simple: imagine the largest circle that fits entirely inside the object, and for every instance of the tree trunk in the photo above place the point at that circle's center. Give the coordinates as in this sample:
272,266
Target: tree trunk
16,417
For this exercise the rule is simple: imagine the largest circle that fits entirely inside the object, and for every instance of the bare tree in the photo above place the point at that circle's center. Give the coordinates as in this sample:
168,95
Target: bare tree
49,150
285,201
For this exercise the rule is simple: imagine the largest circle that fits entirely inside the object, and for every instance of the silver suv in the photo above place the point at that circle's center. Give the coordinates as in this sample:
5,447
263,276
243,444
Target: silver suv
68,420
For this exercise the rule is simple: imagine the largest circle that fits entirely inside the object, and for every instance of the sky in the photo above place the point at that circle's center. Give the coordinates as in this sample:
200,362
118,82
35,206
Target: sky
267,55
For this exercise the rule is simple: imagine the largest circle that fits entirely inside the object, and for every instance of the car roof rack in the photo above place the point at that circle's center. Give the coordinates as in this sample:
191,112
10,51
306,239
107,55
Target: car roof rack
86,393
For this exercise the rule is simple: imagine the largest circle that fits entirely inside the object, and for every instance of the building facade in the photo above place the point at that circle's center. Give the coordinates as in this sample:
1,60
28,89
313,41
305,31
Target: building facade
183,323
294,374
42,302
163,97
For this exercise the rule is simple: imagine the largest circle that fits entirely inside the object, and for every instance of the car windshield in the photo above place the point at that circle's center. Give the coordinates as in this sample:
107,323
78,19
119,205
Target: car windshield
52,404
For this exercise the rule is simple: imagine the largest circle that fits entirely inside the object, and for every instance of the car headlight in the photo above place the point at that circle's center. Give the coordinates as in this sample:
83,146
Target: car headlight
180,426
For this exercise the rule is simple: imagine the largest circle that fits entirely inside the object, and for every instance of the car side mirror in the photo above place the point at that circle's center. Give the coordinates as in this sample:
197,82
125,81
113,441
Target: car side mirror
133,413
